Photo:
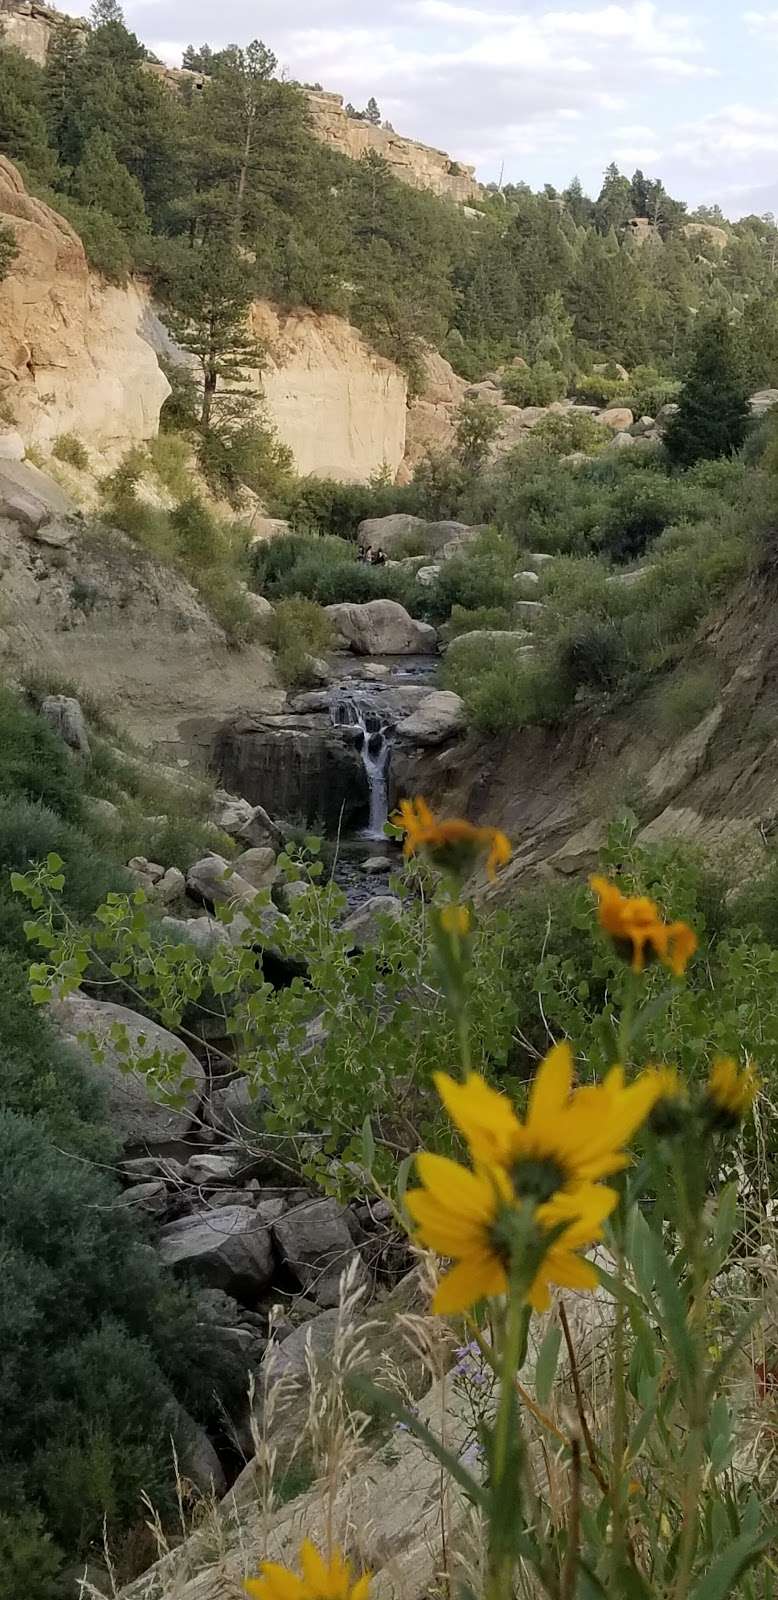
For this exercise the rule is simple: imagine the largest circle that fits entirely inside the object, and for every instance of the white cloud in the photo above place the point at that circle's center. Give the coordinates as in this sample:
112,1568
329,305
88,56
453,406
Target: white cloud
762,23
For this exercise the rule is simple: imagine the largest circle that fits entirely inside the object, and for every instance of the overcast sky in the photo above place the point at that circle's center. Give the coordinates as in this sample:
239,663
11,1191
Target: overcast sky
534,91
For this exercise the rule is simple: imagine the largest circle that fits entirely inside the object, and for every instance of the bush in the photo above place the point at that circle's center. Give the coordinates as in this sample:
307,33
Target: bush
30,1563
68,447
563,435
480,578
511,696
170,455
107,249
538,385
463,620
681,702
35,765
647,391
590,654
327,570
324,506
181,411
245,455
298,629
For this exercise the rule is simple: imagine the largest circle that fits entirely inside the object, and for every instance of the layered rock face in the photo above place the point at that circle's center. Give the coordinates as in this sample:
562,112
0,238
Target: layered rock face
339,407
27,26
417,164
72,354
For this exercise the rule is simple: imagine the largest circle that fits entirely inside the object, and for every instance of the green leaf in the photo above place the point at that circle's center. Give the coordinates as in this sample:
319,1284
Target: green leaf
675,1325
403,1174
719,1581
546,1364
40,994
368,1146
54,862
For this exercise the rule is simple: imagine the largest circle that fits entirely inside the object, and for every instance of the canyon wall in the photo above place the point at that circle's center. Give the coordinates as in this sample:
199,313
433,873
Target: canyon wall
417,164
339,407
27,26
73,357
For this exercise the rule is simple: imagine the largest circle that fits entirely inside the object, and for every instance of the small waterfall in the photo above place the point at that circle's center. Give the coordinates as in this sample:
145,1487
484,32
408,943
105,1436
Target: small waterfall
371,737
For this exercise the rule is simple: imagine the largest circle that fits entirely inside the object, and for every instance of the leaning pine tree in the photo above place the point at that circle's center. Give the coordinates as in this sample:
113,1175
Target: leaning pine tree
712,419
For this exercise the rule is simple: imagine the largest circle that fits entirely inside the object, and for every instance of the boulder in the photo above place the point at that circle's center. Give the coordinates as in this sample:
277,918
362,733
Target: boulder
529,610
618,371
440,716
243,821
311,702
198,1462
57,534
427,576
257,866
539,558
619,418
171,886
211,1168
529,577
762,401
365,925
625,580
140,867
140,1169
228,1248
134,1116
374,865
264,528
622,441
646,424
665,413
151,1196
26,510
315,1243
65,716
203,932
381,628
261,608
517,637
236,1109
391,533
214,880
529,415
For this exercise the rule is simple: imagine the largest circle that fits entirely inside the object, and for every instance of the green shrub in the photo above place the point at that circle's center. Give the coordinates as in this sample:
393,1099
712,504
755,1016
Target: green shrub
324,506
107,249
327,570
245,455
647,391
198,536
681,702
29,831
30,1563
463,620
170,456
181,411
477,579
598,389
576,431
538,385
590,653
36,764
299,629
68,447
511,696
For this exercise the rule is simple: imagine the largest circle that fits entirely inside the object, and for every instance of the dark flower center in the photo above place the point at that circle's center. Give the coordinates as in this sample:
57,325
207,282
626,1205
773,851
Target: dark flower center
538,1177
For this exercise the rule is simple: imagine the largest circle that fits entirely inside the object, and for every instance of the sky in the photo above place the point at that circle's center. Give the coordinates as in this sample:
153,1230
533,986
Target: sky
533,91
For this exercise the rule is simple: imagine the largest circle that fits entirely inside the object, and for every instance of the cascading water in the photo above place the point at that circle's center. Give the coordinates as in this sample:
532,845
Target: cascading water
372,738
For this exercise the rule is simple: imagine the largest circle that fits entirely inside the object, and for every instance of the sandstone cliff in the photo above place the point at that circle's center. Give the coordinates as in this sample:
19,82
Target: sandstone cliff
417,164
340,407
72,353
28,26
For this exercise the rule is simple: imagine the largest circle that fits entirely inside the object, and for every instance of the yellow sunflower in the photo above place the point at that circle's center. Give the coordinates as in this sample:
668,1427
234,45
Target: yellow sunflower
669,1112
470,1217
730,1092
569,1136
635,925
321,1580
453,845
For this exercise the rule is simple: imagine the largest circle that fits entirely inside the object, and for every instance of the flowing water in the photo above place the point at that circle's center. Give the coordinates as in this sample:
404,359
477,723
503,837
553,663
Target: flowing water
354,708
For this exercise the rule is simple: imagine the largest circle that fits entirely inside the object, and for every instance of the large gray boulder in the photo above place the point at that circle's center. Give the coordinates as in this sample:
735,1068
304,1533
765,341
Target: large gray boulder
440,716
381,628
257,866
227,1248
315,1242
245,822
203,932
391,534
763,401
365,925
518,638
214,881
65,716
134,1115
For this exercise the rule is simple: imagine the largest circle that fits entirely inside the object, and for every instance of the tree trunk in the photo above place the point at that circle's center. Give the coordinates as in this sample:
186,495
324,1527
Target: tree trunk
209,390
244,167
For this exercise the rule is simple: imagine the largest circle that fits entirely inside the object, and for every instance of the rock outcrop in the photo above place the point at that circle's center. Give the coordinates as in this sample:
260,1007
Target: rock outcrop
27,26
72,353
294,768
417,164
339,407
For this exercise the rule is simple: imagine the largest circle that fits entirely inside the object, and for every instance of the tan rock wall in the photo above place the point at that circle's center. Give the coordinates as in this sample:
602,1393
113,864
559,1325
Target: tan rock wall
72,353
417,164
340,407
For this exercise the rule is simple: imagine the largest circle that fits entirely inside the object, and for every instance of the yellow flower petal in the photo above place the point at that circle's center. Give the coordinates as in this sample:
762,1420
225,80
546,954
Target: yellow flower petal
476,1278
551,1086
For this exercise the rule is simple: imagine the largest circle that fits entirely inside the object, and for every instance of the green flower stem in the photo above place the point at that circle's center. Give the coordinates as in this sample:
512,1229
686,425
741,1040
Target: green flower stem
507,1456
690,1194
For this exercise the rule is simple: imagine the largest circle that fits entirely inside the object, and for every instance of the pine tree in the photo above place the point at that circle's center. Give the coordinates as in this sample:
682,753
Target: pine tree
613,206
210,289
101,180
372,113
713,415
104,11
